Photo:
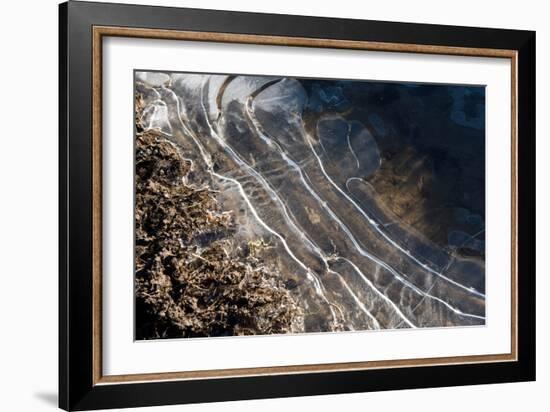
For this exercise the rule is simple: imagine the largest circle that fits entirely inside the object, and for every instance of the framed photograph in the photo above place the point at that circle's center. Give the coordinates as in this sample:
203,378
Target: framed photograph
257,205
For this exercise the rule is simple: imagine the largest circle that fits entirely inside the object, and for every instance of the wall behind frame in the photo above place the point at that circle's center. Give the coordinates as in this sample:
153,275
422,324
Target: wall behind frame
28,210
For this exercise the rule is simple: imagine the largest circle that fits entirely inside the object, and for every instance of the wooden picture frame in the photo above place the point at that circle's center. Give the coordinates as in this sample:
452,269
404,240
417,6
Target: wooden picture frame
83,26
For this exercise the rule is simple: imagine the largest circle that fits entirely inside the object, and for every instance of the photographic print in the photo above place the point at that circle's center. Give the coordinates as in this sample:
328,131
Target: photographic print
277,205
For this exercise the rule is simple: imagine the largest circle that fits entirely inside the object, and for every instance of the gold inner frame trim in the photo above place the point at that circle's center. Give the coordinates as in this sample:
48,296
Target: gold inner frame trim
102,31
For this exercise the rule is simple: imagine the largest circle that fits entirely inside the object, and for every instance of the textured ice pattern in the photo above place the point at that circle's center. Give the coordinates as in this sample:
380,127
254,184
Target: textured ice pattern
302,185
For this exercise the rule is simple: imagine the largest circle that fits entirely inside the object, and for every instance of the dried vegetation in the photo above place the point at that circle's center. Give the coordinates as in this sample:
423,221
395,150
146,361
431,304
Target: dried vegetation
192,277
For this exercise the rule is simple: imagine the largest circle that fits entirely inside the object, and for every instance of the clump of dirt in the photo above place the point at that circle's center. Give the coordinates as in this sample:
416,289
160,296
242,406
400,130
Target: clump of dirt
192,277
